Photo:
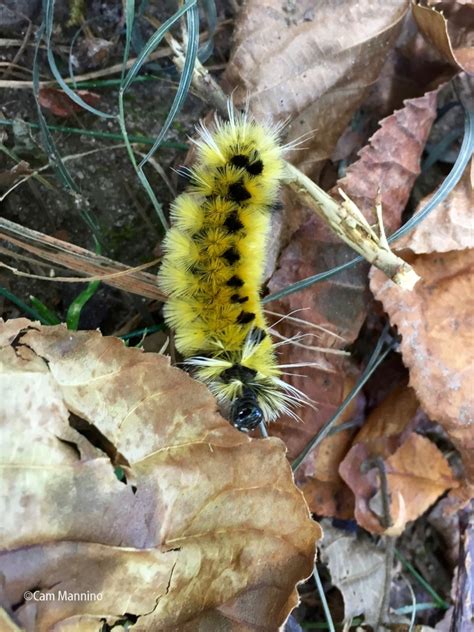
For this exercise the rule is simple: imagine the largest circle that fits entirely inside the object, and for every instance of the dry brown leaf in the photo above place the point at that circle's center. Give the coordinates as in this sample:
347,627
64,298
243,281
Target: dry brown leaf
449,27
60,104
384,427
311,62
435,322
449,226
417,475
357,568
413,485
391,162
319,479
207,530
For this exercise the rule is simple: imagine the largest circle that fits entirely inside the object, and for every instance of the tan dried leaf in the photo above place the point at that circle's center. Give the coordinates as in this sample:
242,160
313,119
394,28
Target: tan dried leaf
357,568
206,529
435,321
417,472
449,226
311,62
449,27
417,475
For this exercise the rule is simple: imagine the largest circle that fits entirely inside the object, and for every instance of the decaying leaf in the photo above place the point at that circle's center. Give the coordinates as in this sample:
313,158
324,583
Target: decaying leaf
390,162
449,27
311,62
417,472
435,322
449,225
205,530
357,568
58,102
319,478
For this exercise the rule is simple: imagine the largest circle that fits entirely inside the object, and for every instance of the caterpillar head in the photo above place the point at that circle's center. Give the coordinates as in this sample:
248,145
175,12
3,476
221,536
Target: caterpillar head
245,413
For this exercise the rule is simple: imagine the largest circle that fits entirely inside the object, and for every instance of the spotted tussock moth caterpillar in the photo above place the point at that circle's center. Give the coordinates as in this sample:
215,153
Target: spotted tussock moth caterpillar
213,265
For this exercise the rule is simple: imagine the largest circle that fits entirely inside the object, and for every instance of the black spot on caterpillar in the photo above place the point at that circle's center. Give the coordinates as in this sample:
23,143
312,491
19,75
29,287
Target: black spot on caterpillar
233,223
238,192
238,371
256,168
231,255
235,298
245,317
235,281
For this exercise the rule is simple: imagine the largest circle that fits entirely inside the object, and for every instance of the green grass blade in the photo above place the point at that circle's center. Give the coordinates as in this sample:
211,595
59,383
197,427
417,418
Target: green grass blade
192,17
211,16
21,305
49,316
440,602
138,333
75,308
143,140
375,360
153,42
47,139
322,596
129,22
465,155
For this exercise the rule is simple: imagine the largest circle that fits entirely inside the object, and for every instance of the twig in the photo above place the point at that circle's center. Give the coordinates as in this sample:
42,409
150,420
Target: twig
346,220
386,521
203,82
96,74
100,277
72,257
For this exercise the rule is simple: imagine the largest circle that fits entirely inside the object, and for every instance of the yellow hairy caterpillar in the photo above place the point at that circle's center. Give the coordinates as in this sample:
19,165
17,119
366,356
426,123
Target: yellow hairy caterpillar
213,265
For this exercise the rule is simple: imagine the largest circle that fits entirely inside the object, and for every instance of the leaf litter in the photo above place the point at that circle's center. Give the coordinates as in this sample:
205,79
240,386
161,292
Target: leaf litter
131,487
206,523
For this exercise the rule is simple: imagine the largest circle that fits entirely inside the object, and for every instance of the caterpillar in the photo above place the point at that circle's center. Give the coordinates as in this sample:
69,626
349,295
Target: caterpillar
212,269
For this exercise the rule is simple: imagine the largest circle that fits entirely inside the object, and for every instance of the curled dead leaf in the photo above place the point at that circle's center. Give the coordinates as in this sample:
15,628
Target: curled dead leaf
416,471
449,27
311,62
435,322
204,528
390,163
59,104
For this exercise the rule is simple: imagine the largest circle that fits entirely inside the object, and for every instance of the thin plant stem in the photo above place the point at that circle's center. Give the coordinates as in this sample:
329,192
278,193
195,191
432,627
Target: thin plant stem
324,602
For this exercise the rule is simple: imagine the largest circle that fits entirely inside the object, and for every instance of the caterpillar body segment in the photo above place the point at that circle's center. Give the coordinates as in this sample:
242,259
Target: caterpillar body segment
213,265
